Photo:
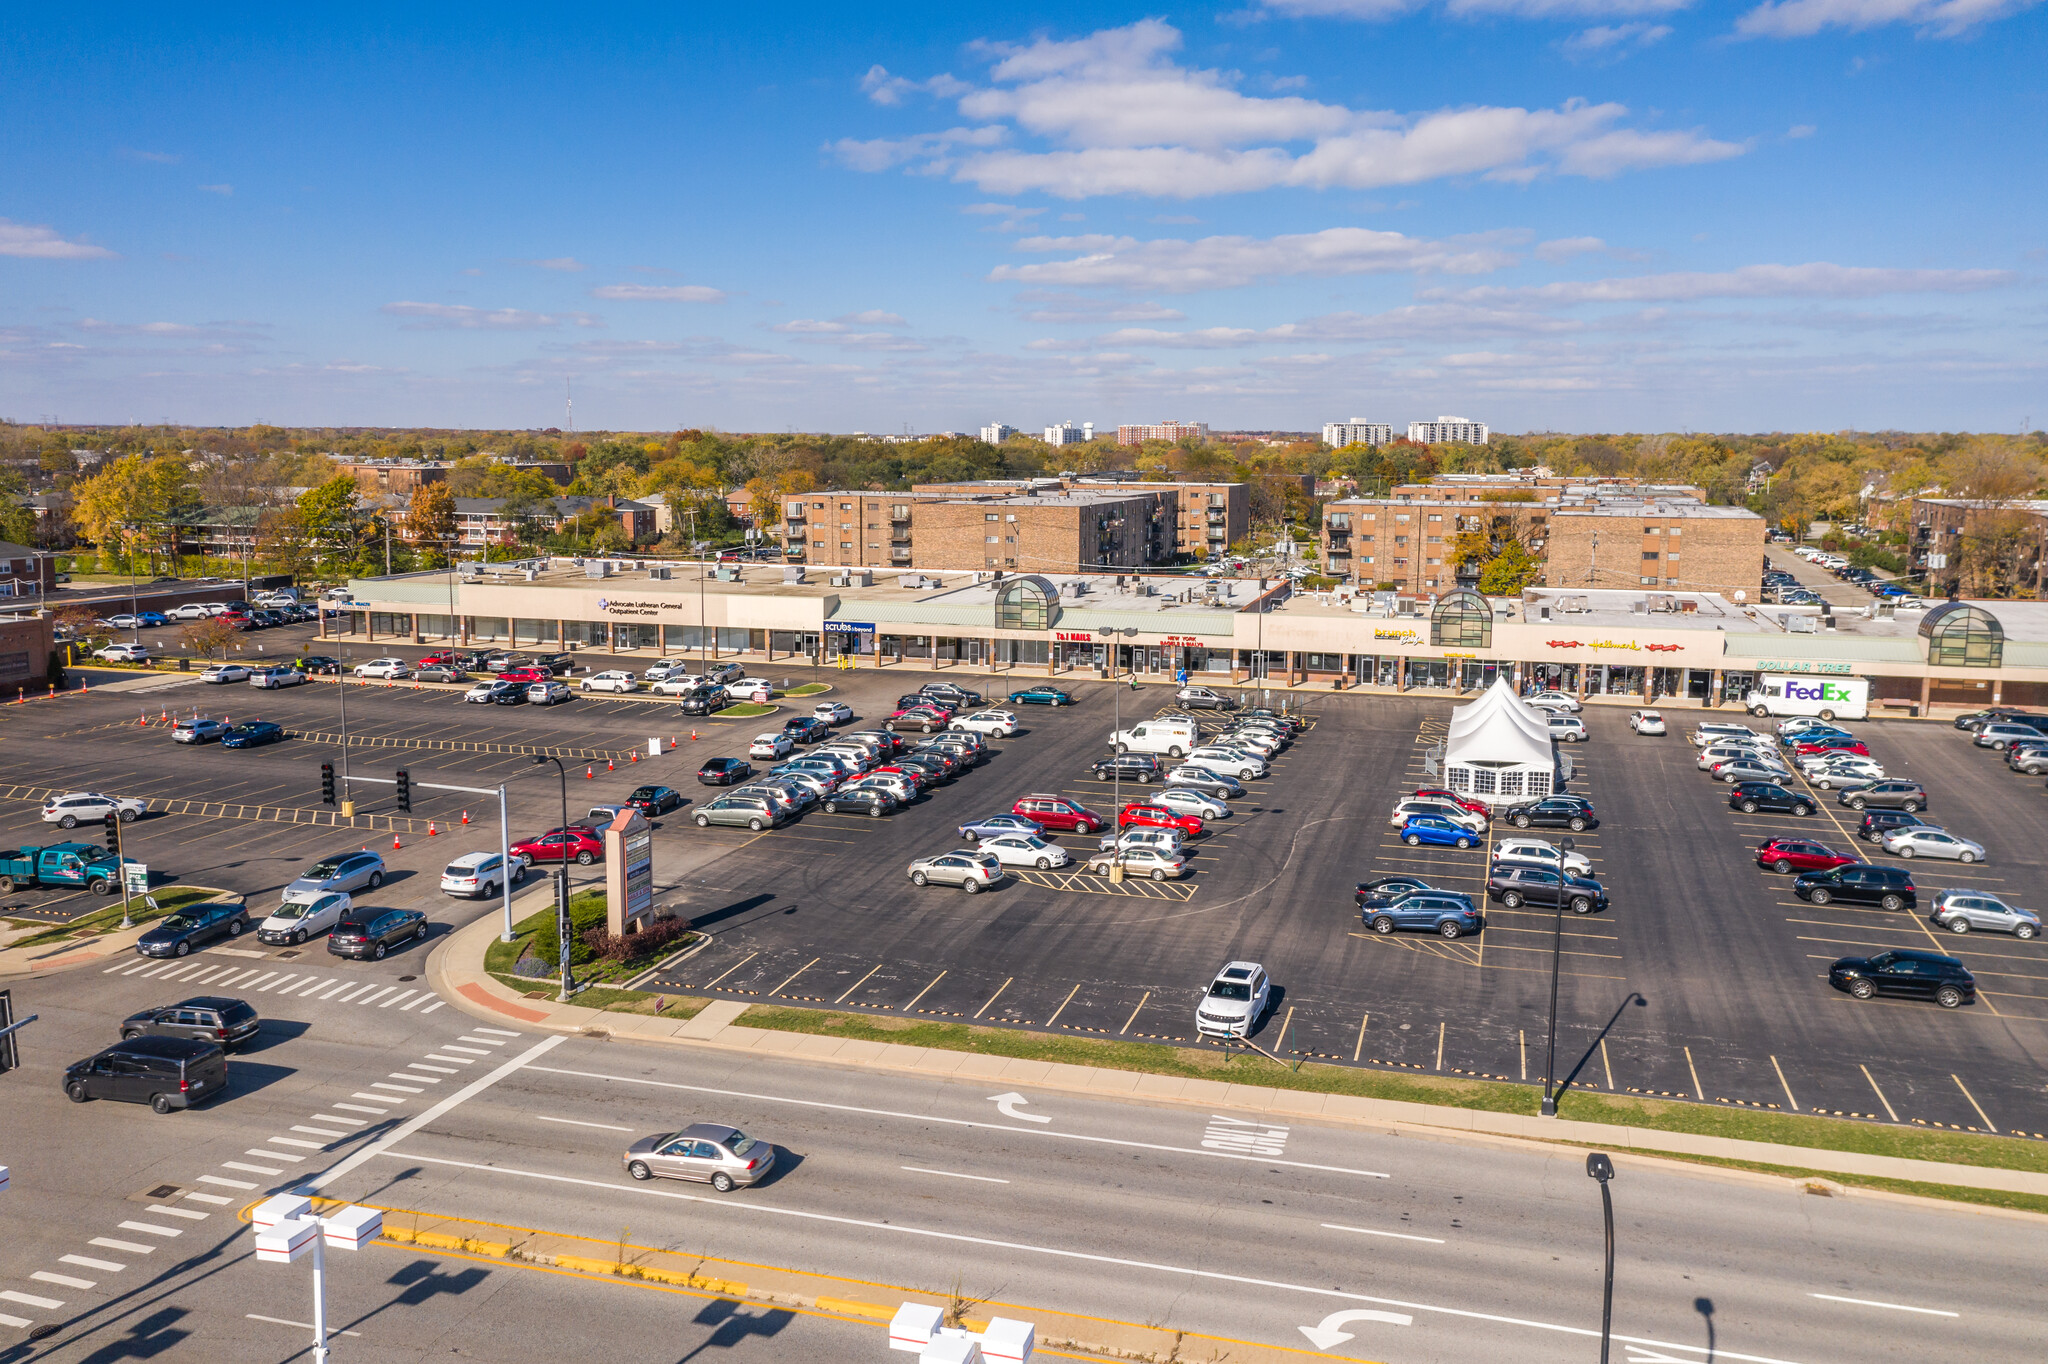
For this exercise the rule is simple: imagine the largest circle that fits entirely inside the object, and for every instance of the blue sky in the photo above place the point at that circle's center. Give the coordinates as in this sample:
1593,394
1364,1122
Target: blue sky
1545,214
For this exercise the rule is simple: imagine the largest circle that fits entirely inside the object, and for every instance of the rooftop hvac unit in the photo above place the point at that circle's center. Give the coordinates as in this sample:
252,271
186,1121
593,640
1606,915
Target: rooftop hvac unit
913,582
791,573
597,568
531,574
1407,606
660,573
1800,625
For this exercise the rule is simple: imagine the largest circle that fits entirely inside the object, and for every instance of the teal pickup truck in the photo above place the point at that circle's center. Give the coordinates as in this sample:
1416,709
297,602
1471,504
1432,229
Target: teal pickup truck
60,864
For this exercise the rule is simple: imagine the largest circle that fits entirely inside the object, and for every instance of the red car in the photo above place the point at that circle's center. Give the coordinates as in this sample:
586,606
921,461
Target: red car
1832,746
1465,803
1058,812
1798,854
561,845
527,675
1158,816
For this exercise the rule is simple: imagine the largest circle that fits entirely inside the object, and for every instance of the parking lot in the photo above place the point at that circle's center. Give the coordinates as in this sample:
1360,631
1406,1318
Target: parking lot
1728,966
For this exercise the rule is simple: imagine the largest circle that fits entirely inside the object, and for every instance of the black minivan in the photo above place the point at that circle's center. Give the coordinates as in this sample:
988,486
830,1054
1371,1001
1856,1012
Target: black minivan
163,1072
1859,883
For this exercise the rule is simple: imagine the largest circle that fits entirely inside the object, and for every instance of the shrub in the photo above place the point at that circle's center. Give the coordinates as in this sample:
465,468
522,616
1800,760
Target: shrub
656,937
585,912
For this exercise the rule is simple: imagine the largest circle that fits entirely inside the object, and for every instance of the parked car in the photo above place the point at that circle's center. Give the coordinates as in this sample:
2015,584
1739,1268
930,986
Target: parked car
1231,762
225,1021
1058,812
1567,729
192,926
1159,864
1166,840
1554,700
1387,889
833,712
479,875
724,771
1188,801
1025,850
222,673
1517,883
1411,808
1931,843
1977,719
1891,794
997,826
1235,1000
352,871
391,669
373,933
1444,913
952,697
2001,734
709,1153
1553,812
70,810
872,801
1001,723
1543,854
197,730
1141,768
1860,883
1450,797
1202,698
651,801
966,868
614,681
252,734
1830,744
735,808
124,653
806,729
526,677
164,1072
1905,972
704,700
1832,773
1752,796
1960,911
1735,770
1436,831
275,676
576,844
303,916
1202,779
1041,696
1154,815
1799,854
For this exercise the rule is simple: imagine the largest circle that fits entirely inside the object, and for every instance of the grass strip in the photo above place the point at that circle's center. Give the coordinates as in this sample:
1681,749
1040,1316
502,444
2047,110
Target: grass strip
745,710
1989,1198
809,689
1153,1058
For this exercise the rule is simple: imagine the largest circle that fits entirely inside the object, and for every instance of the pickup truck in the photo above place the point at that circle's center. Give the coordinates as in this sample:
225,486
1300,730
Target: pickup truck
60,864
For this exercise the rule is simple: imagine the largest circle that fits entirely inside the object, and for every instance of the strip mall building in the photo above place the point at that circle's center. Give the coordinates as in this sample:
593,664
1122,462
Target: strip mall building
1669,646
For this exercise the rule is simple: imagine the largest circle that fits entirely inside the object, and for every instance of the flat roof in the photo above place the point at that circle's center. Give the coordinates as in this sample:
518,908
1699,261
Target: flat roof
1658,506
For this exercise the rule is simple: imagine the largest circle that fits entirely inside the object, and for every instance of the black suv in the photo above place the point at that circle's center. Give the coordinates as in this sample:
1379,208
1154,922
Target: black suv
956,698
1860,883
1903,971
1513,884
1891,794
373,932
1141,768
210,1018
1752,796
1386,889
703,700
163,1072
1553,812
1997,715
1878,823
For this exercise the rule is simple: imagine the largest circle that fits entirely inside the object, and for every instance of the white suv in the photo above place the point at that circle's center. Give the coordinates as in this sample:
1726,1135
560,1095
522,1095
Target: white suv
389,669
611,681
1234,1001
90,807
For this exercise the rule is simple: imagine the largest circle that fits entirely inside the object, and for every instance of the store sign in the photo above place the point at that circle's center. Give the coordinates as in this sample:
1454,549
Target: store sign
1387,636
1073,637
849,627
1627,645
1774,665
612,607
1182,642
629,870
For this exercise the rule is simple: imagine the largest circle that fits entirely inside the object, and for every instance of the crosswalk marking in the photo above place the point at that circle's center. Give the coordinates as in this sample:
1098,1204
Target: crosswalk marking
64,1280
271,1155
187,1213
381,1085
85,1262
109,1243
17,1322
458,1060
498,1032
358,1108
225,1183
417,1079
316,985
249,1169
408,1008
279,983
366,999
395,998
467,1051
338,988
487,1041
294,1141
30,1299
215,1199
435,1005
152,1229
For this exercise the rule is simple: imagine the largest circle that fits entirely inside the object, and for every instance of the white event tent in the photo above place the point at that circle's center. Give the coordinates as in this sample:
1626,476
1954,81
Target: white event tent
1500,750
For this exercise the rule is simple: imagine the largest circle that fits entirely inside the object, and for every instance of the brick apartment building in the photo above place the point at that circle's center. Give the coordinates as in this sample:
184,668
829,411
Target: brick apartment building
1663,542
26,572
1170,432
1374,540
401,476
1043,530
1213,515
1936,542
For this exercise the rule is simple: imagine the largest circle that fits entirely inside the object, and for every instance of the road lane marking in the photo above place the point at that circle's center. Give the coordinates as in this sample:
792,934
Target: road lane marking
1880,1093
956,1122
1397,1235
1974,1104
414,1124
984,1008
763,1209
572,1122
951,1174
1892,1306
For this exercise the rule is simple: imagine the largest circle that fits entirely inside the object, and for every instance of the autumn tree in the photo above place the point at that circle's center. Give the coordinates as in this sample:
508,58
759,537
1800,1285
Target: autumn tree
207,635
1508,572
430,522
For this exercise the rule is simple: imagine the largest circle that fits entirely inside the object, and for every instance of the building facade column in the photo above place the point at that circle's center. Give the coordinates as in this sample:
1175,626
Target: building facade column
415,627
1926,693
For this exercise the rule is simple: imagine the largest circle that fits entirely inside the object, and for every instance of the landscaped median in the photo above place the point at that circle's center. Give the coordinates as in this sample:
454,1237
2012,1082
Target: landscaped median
101,931
603,967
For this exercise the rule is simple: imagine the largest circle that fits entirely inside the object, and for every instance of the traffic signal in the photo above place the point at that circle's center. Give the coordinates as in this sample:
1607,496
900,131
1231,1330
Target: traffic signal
327,783
113,833
404,791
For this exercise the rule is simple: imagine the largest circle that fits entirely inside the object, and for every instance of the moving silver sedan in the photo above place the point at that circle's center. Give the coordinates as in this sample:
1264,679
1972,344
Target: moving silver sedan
723,1157
1911,842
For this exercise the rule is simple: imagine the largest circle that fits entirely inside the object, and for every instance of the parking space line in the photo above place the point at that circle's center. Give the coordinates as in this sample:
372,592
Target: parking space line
997,995
856,985
1440,1028
730,969
1134,1015
1359,1049
1974,1104
1521,1045
794,974
1783,1085
1606,1065
1889,1110
1056,1012
1698,1091
927,990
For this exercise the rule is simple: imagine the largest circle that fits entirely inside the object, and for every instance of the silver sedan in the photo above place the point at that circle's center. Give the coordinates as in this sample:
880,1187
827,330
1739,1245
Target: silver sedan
1933,843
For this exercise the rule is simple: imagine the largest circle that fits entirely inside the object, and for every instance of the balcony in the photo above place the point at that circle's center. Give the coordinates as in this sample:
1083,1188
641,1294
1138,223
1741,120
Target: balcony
899,555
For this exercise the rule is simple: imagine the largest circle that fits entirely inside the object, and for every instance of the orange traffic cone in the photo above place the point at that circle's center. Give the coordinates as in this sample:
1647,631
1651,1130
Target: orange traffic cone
465,816
431,830
394,843
142,720
590,773
84,686
636,755
693,736
608,765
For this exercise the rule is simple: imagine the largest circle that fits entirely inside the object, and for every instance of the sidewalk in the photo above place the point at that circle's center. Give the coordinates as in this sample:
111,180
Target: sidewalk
455,971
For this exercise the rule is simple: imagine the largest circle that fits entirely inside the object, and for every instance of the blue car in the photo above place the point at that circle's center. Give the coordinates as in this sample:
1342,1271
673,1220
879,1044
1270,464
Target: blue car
1445,913
1437,832
151,619
251,733
995,825
1818,734
1040,696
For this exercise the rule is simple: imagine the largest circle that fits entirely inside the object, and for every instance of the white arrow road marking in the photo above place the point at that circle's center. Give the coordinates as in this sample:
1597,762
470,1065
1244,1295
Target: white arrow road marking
1008,1105
1330,1330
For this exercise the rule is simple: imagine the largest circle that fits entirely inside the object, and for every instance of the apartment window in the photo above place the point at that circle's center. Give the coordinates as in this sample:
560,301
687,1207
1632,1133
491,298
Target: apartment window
1400,539
846,525
1402,517
1009,563
846,544
1368,558
1436,561
1646,580
988,563
818,505
817,544
1436,539
1009,539
1366,539
1011,517
1671,556
874,525
1372,516
899,511
1649,554
846,506
988,539
1340,521
989,516
1434,517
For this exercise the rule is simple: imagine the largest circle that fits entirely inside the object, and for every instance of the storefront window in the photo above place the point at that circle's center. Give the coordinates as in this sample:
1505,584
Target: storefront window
593,633
535,631
1026,603
1960,636
1461,620
489,627
390,623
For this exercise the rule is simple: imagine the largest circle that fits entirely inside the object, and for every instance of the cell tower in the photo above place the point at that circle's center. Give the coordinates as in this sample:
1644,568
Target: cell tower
569,403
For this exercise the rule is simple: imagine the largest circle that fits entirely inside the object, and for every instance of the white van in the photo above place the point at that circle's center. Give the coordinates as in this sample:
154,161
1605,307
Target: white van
1713,732
1173,738
1846,698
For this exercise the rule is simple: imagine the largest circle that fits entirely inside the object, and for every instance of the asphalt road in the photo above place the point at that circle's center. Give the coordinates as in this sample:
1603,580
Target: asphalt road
1110,1207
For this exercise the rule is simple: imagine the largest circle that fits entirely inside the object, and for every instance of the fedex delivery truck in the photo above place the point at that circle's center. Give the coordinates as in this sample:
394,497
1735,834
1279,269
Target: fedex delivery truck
1830,698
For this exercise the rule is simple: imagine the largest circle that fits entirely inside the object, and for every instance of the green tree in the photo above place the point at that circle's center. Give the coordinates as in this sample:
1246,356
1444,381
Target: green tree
334,520
1508,572
430,522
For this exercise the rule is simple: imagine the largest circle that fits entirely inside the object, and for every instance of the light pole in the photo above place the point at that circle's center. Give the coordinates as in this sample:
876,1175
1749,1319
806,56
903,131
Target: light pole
1116,726
287,1227
1556,956
1601,1168
561,879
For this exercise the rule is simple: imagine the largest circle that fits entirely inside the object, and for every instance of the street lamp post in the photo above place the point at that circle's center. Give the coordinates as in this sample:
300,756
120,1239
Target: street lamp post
1116,724
1601,1168
287,1227
561,880
1556,957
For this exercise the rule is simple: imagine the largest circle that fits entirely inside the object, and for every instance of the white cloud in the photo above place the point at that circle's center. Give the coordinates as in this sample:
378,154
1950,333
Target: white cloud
847,331
32,242
659,293
1123,117
158,158
1940,18
224,191
883,88
1065,307
567,265
1377,10
1564,248
1611,42
874,317
456,316
1014,219
1799,130
1173,266
1818,279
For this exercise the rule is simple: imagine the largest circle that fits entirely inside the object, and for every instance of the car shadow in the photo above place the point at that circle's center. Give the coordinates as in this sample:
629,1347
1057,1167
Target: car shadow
273,1032
786,1162
252,1077
1276,1007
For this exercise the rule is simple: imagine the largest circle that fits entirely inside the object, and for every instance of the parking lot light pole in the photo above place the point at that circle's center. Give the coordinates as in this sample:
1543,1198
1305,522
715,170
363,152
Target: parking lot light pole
1601,1168
561,879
